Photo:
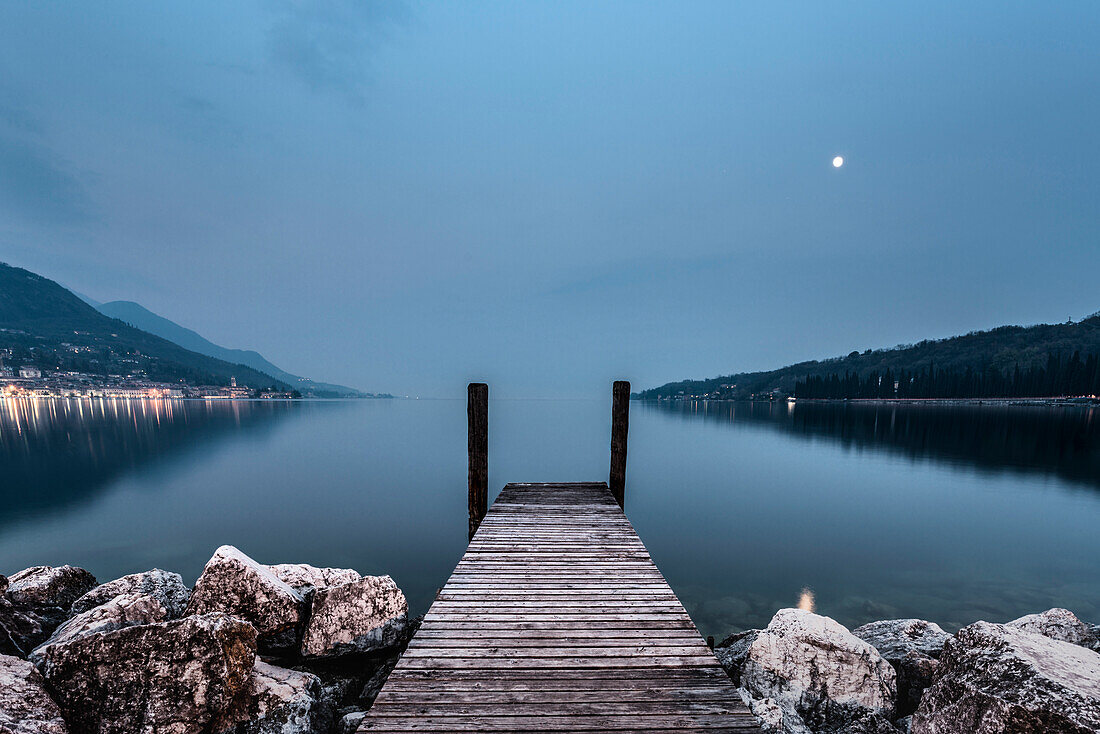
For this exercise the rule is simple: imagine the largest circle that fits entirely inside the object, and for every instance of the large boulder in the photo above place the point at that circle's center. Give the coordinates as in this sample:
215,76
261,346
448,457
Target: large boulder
378,678
167,587
813,668
280,701
37,600
869,722
995,678
894,638
305,578
48,586
25,706
362,616
127,610
177,677
235,584
22,629
1058,624
350,722
911,646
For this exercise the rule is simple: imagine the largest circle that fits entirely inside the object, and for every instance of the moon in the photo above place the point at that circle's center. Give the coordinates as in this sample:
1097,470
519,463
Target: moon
838,162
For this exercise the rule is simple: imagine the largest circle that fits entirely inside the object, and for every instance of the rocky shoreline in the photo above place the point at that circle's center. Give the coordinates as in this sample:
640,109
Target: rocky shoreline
803,673
251,649
296,649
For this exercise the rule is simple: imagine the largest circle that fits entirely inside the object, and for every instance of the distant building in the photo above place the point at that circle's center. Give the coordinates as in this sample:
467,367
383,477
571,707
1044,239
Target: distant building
29,372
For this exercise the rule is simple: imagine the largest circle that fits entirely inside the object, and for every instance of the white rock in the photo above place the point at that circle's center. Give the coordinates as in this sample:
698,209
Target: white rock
770,715
167,587
995,678
361,616
894,638
349,723
25,706
126,610
811,666
1057,624
304,577
911,646
235,584
177,677
51,586
280,701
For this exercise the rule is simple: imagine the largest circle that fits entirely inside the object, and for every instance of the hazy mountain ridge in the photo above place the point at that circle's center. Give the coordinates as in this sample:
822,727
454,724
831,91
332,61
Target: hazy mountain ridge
43,323
142,318
1001,348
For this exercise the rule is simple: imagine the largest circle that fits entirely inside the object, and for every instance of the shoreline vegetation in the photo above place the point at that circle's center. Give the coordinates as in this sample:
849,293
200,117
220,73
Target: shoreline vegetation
292,648
1074,401
1005,362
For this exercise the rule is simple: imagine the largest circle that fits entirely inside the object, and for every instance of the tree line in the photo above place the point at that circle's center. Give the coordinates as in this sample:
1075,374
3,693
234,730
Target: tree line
1059,376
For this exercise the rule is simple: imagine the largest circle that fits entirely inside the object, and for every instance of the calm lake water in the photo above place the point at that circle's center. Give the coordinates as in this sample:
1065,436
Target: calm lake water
945,513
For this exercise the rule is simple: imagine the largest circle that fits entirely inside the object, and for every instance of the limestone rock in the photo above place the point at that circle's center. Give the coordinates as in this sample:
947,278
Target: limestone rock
167,587
47,586
349,723
770,715
1057,624
235,584
812,667
911,646
305,578
23,629
177,677
893,638
361,616
995,678
280,701
869,723
127,610
374,684
25,706
915,673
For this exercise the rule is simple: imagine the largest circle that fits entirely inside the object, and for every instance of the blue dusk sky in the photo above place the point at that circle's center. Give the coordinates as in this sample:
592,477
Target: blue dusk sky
548,196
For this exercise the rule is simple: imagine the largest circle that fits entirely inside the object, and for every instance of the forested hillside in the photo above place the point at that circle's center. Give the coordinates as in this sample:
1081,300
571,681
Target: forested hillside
1009,361
44,324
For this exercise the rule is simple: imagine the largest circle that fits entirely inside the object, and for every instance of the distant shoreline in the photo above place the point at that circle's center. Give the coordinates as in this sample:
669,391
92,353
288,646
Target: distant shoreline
1068,401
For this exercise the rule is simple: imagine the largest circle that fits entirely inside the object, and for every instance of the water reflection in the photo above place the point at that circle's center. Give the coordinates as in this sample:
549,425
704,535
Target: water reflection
1045,440
55,453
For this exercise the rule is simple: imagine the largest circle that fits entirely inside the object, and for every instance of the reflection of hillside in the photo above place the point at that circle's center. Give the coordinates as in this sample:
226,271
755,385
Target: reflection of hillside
1064,442
55,453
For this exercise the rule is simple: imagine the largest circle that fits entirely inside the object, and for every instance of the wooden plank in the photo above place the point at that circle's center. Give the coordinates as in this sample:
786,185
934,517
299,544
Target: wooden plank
557,620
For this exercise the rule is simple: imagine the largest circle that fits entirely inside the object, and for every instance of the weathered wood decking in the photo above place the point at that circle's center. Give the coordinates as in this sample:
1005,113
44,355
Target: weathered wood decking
557,620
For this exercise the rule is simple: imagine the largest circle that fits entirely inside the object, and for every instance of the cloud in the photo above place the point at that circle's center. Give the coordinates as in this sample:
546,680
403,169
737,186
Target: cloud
36,183
327,45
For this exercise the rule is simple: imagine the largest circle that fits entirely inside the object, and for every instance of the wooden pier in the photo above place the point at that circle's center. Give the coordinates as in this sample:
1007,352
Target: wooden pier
556,620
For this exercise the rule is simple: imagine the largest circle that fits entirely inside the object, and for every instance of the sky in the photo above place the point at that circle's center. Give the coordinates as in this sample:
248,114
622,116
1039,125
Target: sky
550,196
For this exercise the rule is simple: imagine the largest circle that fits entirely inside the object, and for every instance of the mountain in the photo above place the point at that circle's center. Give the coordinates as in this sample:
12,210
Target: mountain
43,323
994,356
138,316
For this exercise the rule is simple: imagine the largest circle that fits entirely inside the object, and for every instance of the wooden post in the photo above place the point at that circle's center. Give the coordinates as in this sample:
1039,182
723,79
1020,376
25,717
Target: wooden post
477,414
620,415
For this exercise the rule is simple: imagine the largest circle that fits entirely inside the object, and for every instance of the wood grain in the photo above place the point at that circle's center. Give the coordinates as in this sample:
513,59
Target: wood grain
557,620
